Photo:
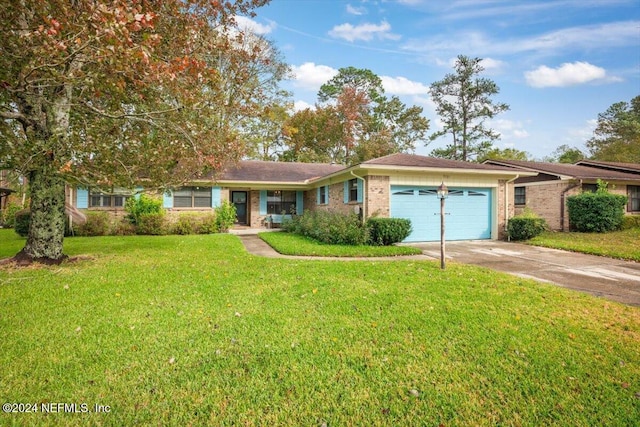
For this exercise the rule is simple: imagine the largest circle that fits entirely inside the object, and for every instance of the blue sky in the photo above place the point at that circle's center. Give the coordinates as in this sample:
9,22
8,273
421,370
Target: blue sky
558,63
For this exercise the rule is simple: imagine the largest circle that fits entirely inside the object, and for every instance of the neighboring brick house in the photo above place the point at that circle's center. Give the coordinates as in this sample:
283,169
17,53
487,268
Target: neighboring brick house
399,185
547,192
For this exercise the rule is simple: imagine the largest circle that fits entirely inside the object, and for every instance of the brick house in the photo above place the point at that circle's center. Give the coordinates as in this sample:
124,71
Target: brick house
398,185
547,191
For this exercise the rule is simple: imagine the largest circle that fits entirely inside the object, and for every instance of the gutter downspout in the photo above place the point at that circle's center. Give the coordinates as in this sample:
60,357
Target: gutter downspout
364,196
562,202
506,204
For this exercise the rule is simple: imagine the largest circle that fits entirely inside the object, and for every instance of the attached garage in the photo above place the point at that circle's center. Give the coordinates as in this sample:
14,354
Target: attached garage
467,212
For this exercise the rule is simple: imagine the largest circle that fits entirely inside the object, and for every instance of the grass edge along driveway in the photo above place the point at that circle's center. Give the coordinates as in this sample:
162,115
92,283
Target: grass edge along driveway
193,330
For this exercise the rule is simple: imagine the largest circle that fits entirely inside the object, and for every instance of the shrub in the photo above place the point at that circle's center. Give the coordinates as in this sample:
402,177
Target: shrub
8,217
225,216
22,221
123,228
151,224
186,224
136,207
630,221
329,227
525,226
596,212
387,231
209,224
97,224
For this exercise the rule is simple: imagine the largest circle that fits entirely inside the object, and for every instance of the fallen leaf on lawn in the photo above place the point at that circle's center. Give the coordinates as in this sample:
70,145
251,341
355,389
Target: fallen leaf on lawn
78,329
315,291
172,360
414,392
238,314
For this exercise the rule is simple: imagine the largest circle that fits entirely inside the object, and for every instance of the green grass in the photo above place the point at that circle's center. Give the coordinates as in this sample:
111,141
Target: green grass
193,330
294,244
619,244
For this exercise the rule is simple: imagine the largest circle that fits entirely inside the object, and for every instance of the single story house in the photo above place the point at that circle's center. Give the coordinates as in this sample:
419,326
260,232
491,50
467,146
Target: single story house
547,191
398,185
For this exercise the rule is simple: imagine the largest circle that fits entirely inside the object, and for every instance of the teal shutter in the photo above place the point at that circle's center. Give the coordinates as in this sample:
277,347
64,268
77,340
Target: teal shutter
299,202
318,195
360,190
82,198
167,199
215,197
138,192
346,191
263,202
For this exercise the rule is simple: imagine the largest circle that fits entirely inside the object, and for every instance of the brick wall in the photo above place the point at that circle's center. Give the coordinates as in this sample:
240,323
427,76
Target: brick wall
336,200
378,189
546,200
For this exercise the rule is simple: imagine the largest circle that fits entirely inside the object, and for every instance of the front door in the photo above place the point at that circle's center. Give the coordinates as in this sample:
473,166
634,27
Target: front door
239,200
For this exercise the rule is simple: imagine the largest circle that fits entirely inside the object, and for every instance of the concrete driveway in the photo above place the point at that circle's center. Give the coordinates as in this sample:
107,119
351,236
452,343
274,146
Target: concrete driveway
604,277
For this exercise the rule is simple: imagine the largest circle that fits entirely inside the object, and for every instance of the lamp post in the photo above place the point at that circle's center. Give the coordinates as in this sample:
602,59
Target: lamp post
442,192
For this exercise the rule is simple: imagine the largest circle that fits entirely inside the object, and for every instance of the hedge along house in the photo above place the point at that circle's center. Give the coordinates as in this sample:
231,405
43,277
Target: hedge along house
398,185
546,193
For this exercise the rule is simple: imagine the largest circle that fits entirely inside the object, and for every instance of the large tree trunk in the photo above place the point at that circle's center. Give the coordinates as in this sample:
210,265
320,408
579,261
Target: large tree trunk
46,231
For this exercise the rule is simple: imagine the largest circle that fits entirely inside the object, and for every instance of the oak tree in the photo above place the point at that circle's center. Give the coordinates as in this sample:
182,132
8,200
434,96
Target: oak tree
117,94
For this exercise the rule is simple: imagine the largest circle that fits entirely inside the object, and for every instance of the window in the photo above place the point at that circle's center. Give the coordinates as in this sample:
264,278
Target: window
279,202
589,188
323,195
192,197
520,195
633,193
102,200
353,190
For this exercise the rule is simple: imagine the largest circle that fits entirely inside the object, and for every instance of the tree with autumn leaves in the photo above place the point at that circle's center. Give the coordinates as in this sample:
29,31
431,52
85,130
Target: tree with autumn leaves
353,121
122,93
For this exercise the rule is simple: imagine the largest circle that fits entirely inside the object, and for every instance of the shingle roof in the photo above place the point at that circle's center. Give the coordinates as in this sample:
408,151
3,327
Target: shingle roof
565,169
414,160
262,171
625,167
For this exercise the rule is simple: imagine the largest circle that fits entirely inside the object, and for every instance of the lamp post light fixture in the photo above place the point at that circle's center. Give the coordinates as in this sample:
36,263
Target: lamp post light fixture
442,192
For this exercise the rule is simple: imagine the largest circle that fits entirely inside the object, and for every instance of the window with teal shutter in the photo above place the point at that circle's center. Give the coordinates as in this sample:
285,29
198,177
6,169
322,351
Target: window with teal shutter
215,197
346,191
263,202
167,199
82,198
299,202
359,189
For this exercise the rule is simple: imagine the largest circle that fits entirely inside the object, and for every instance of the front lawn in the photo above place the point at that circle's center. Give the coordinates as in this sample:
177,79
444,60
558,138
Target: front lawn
294,244
618,244
193,330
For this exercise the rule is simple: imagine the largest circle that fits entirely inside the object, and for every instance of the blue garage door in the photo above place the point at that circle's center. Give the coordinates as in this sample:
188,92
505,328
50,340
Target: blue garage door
467,210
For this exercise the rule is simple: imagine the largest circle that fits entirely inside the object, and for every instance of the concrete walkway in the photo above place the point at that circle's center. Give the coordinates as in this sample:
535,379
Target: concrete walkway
604,277
257,246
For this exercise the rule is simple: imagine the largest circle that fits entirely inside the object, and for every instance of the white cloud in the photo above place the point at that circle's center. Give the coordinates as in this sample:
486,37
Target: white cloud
365,32
568,74
311,76
302,105
614,34
403,86
245,23
492,65
509,129
579,135
353,10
